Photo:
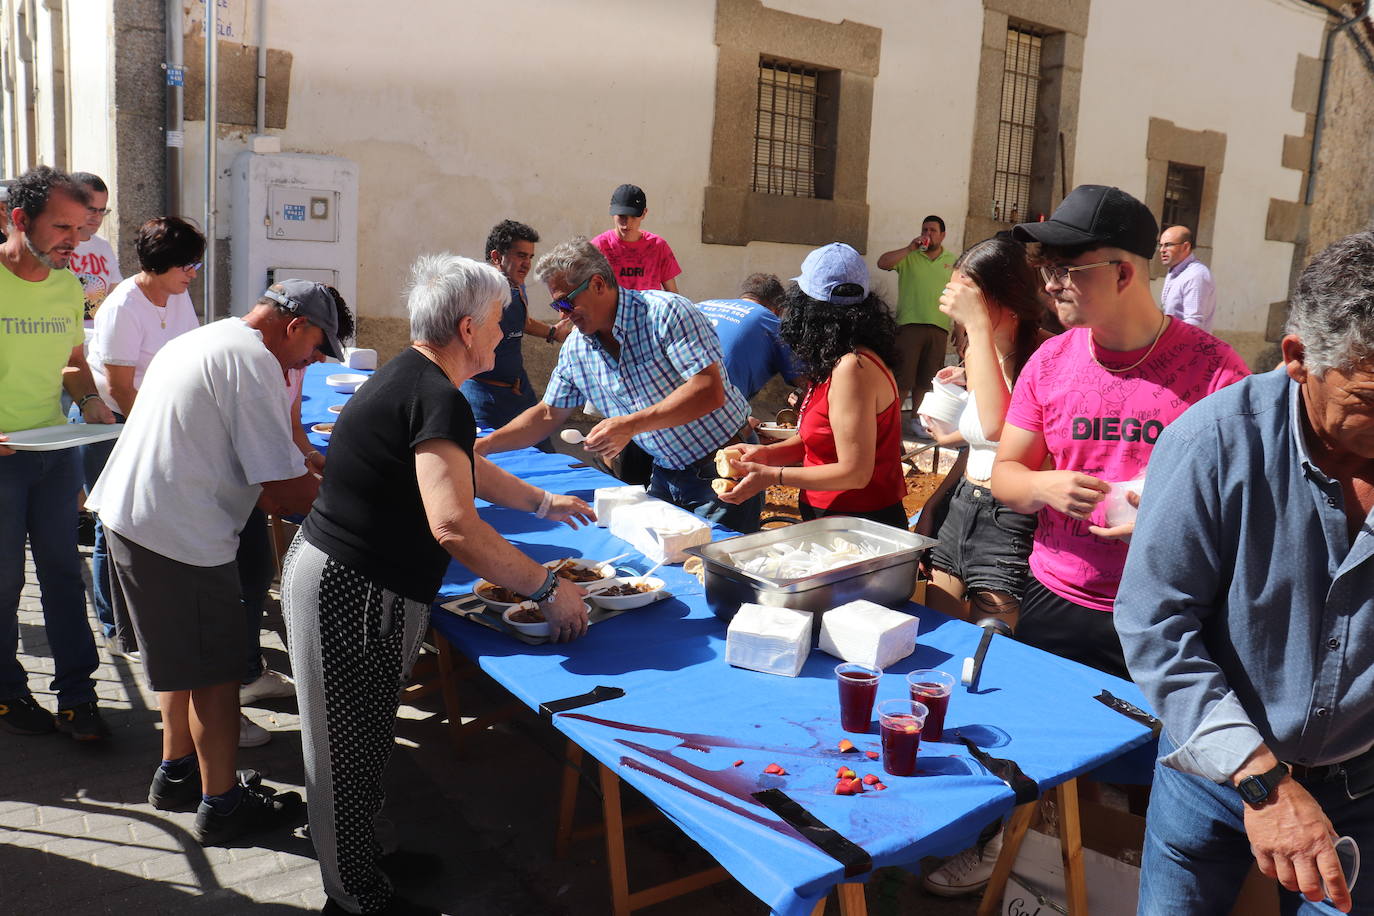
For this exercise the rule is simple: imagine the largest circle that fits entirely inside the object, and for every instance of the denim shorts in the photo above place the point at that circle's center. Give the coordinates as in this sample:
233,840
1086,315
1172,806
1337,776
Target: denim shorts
984,543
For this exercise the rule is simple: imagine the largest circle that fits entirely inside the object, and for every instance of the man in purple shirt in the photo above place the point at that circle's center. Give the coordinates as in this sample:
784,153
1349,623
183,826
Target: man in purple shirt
1189,293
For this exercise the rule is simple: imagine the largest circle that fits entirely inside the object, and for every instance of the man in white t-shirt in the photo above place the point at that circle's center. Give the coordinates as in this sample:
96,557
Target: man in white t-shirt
210,439
94,261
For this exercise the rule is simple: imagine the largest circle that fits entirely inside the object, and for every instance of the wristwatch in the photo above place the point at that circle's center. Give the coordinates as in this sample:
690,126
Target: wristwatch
547,590
1255,790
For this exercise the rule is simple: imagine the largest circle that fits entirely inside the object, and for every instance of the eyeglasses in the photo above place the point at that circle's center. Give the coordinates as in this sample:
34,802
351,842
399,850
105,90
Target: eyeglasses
564,304
191,268
1170,244
1055,273
97,211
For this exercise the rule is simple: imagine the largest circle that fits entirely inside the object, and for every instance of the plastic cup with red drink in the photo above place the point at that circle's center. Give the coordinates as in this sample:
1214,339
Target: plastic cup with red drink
858,686
900,722
932,688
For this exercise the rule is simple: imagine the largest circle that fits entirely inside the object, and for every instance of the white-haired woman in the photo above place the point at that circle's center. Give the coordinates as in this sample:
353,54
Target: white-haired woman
396,505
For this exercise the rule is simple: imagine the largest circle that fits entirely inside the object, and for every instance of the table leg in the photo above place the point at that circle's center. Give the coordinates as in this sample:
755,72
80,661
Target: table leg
448,686
615,842
1013,833
1071,847
852,902
567,799
819,908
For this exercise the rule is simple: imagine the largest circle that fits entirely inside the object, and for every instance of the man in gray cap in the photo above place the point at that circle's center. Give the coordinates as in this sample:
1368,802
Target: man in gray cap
210,439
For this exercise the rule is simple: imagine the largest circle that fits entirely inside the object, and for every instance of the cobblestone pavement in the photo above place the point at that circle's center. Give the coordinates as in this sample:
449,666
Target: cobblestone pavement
78,837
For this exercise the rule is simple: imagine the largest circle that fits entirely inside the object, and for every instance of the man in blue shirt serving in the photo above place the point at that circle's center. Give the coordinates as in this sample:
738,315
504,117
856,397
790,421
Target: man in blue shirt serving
748,332
650,363
1246,613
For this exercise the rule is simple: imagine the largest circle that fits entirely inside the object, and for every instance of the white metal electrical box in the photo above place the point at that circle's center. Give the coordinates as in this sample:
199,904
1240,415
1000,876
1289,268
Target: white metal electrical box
295,216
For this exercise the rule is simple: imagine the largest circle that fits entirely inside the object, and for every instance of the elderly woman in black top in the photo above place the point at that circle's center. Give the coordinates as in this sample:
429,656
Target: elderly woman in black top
396,505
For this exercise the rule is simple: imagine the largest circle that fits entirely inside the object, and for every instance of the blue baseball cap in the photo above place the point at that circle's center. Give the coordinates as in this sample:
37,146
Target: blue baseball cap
834,273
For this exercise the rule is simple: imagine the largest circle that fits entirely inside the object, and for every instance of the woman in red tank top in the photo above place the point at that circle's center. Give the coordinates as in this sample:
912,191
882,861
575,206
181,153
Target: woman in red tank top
848,442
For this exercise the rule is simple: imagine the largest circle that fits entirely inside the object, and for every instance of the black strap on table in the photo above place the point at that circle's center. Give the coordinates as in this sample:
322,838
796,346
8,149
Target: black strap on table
597,694
847,853
1008,771
1130,711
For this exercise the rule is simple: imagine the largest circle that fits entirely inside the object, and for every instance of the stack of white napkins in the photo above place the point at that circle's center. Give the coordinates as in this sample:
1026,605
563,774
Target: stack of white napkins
659,530
607,500
868,634
774,640
360,358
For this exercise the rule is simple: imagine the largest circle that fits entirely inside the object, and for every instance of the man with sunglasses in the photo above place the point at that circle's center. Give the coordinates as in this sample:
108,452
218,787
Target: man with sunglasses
650,363
1092,402
211,438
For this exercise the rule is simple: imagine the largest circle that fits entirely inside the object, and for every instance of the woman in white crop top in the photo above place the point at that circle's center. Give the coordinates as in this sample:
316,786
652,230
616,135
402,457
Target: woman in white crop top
980,565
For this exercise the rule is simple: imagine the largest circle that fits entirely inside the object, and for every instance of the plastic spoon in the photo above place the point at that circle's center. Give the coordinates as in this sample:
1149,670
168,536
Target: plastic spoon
572,436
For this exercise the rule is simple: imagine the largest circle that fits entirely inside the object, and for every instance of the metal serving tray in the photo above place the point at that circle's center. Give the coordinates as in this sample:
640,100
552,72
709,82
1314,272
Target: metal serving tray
887,579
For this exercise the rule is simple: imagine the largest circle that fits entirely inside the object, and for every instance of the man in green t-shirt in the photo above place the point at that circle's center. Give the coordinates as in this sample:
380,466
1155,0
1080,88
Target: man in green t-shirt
923,269
41,306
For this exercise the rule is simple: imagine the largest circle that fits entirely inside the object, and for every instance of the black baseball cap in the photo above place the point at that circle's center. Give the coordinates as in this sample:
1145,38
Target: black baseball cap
628,200
1094,214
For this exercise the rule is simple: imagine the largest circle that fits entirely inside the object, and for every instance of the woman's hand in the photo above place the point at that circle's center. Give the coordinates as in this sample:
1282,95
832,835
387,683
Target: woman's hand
566,613
1069,492
757,478
757,454
963,302
569,510
953,375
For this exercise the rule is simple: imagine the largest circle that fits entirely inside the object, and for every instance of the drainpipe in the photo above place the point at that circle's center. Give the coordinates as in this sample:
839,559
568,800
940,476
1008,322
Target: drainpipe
262,67
211,159
1321,96
174,126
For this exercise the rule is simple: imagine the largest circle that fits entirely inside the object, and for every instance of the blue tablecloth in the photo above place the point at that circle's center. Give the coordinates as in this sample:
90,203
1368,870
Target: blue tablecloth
687,716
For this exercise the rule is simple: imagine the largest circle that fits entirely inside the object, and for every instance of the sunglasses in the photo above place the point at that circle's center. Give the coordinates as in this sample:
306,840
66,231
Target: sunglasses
1054,273
564,304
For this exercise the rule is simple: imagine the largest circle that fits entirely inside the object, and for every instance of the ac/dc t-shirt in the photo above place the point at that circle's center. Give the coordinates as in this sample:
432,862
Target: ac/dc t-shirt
369,514
1106,424
645,264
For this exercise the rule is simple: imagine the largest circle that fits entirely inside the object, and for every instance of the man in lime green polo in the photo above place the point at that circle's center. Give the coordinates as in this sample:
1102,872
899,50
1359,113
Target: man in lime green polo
923,268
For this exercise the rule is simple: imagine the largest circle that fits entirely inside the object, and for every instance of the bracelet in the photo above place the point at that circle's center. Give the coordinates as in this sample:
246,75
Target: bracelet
544,505
779,476
549,338
546,591
313,452
81,404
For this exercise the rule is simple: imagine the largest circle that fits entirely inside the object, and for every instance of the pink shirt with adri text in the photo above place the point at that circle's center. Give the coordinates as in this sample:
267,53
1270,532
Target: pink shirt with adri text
1106,424
645,264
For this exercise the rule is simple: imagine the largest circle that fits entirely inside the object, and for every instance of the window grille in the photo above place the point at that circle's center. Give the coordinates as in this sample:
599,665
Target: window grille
1183,196
1016,127
789,152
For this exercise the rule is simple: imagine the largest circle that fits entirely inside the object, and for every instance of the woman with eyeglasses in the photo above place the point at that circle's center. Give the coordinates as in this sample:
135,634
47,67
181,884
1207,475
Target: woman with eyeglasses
979,567
849,433
139,317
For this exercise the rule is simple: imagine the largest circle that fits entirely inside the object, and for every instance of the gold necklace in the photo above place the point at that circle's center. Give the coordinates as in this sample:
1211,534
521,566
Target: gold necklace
1092,349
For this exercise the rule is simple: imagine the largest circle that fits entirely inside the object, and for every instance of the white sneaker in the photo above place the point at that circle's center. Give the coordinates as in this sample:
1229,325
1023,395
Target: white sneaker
966,873
272,685
251,734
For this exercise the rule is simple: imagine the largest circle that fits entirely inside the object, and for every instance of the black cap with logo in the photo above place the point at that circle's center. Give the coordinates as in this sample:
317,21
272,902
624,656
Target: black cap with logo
1095,214
628,200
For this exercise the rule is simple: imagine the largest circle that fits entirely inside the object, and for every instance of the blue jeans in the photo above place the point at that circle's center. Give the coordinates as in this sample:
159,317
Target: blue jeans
1197,854
93,459
493,406
690,489
38,501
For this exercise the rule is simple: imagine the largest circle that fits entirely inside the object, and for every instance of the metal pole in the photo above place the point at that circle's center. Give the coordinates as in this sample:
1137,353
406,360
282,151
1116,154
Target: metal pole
174,124
211,160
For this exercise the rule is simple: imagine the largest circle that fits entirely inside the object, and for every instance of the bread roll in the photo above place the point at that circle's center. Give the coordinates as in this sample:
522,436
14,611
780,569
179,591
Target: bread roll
723,467
723,485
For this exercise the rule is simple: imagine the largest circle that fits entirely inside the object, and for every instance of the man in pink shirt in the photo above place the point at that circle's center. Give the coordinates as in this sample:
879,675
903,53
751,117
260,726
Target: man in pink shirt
641,260
1093,401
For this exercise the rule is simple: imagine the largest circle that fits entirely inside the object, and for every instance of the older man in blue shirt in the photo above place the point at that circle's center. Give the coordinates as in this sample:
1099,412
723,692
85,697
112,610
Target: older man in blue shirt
650,363
1247,614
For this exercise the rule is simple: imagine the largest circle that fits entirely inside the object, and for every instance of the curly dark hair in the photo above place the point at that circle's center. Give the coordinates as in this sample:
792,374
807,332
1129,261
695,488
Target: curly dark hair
1002,271
821,333
506,233
31,191
165,242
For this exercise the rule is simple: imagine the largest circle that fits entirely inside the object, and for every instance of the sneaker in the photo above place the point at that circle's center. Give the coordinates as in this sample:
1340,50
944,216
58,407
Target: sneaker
966,873
272,685
259,809
251,734
168,794
23,716
115,649
83,722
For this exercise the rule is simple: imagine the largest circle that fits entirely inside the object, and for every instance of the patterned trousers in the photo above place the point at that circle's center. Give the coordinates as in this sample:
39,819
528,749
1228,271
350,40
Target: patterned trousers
352,644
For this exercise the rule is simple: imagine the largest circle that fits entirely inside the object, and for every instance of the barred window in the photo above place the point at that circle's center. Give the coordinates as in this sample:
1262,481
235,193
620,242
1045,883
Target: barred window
793,148
1183,196
1013,167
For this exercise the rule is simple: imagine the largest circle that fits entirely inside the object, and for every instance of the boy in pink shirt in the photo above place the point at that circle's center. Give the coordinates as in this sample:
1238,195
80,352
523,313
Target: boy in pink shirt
1093,401
641,260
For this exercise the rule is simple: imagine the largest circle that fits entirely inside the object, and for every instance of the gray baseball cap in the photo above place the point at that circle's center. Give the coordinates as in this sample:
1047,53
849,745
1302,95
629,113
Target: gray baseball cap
313,302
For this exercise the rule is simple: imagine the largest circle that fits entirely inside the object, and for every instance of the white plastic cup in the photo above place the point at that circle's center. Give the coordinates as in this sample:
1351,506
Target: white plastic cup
1117,507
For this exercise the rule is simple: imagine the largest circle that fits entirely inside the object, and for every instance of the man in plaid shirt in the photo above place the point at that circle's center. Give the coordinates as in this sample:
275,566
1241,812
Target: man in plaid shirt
650,362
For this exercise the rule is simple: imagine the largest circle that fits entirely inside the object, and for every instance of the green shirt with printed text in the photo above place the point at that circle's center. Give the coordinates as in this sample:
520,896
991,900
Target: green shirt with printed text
40,323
